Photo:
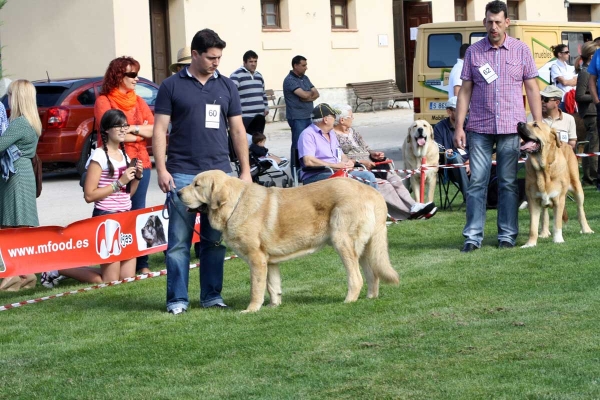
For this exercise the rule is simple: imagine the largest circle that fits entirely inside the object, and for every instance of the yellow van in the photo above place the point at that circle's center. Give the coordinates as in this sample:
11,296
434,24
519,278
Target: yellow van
438,46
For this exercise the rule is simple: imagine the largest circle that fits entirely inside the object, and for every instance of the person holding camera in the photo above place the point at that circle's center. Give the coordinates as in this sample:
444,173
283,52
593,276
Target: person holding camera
111,181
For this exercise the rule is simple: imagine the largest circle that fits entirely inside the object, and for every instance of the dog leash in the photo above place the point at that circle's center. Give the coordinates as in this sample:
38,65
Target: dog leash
170,202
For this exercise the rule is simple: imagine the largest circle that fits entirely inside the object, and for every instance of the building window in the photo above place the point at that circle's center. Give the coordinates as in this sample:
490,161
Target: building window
339,14
513,9
270,14
460,10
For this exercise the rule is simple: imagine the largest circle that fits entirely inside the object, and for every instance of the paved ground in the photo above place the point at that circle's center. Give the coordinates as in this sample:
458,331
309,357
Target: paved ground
62,203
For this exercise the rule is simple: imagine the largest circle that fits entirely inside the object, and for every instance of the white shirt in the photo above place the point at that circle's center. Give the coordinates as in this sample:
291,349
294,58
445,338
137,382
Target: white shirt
454,79
560,68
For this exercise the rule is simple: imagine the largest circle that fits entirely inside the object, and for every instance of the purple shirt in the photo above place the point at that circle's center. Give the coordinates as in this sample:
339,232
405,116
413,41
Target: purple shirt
497,107
313,143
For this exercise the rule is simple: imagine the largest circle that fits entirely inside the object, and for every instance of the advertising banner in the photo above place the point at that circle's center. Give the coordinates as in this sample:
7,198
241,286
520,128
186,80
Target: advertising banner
92,241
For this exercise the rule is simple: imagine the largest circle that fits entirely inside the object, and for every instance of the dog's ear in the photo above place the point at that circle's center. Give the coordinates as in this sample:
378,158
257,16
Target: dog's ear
157,222
409,136
219,195
428,125
556,137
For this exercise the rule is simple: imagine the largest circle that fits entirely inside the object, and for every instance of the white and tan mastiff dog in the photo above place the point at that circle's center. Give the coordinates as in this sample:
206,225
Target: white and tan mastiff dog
266,226
418,144
552,170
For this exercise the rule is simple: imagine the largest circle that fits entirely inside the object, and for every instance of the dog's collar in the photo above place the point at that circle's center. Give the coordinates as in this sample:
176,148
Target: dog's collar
235,207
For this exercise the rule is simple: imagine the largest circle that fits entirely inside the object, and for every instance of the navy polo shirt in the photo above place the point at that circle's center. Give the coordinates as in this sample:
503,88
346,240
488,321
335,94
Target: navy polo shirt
193,148
294,107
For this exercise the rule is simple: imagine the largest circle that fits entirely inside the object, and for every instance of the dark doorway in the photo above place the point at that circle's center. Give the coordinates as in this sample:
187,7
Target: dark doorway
407,14
159,28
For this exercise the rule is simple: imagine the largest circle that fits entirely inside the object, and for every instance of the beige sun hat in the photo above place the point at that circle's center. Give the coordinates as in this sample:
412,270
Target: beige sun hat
184,58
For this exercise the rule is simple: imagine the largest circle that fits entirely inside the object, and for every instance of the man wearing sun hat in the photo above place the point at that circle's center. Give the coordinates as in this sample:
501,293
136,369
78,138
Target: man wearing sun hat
443,133
319,147
563,123
184,58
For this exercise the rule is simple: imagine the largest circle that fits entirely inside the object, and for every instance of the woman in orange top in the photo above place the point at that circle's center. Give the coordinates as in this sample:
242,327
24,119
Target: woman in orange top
118,92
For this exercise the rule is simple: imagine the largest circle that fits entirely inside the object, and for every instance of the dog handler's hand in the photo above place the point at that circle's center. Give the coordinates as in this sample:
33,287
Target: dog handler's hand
245,176
165,181
460,139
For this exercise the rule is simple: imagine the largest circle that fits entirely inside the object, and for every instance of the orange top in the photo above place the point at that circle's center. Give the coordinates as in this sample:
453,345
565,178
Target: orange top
136,116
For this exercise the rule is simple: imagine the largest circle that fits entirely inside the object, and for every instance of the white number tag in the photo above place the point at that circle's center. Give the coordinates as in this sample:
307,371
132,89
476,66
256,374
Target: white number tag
488,73
213,116
564,136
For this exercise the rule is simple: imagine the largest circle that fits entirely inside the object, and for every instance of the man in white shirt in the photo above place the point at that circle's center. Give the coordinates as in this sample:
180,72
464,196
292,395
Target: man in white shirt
454,81
563,123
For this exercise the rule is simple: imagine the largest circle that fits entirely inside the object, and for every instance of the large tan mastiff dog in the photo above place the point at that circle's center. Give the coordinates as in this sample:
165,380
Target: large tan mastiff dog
552,170
266,226
419,143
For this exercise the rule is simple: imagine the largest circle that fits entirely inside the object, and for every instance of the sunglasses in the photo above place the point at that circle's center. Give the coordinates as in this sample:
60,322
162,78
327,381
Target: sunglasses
565,52
120,127
131,75
547,99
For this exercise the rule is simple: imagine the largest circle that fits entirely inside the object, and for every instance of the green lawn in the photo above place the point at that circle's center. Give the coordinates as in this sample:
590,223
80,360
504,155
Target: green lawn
515,324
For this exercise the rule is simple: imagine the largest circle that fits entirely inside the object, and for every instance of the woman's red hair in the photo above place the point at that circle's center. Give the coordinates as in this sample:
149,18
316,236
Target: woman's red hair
115,73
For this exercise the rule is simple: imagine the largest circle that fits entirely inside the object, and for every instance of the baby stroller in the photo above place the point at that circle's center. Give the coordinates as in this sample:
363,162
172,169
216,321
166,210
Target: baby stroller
261,167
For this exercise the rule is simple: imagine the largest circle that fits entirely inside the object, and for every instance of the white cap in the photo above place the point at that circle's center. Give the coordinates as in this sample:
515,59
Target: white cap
451,103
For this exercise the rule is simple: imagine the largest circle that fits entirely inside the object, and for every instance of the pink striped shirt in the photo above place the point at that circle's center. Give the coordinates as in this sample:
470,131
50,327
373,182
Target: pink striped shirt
497,107
119,201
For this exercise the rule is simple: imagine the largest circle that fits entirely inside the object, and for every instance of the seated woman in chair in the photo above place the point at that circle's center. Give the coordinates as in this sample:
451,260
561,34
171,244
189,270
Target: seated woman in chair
400,204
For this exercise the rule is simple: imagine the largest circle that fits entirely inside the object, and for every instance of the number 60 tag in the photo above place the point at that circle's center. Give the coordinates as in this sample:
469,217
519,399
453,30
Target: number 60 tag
213,116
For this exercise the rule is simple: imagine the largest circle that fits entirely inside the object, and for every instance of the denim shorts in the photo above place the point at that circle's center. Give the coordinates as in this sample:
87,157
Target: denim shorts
98,212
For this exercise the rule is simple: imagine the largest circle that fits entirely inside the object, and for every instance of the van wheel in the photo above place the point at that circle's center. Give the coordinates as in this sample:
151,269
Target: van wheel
88,146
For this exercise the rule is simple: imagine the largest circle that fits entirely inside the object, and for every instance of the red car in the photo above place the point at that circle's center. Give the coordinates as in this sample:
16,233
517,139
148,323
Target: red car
66,109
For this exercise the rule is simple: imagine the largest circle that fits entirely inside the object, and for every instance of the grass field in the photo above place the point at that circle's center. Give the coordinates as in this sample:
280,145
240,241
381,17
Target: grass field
507,324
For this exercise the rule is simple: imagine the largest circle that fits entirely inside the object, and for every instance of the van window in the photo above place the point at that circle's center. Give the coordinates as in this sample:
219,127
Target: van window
443,49
574,40
476,37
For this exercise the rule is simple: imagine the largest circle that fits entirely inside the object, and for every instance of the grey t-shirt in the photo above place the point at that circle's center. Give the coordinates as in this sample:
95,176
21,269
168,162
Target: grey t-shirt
294,107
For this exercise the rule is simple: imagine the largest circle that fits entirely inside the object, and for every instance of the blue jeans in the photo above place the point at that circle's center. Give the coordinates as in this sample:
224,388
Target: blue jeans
297,126
365,175
138,201
212,254
507,157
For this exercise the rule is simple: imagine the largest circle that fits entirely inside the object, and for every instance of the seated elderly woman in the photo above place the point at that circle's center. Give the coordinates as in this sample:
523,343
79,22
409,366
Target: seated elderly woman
400,204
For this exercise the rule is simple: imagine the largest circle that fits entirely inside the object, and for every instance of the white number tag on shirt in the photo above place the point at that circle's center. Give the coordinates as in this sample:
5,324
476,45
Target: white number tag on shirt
213,116
564,136
488,73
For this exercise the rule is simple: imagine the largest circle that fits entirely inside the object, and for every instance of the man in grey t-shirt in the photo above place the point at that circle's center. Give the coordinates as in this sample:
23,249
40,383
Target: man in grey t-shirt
299,94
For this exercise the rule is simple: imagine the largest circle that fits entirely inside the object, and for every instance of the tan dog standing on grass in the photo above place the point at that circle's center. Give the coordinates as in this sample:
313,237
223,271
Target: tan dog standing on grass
265,226
552,170
418,144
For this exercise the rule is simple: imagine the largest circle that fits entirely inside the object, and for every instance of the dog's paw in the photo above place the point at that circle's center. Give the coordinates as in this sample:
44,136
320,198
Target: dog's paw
545,234
586,231
528,245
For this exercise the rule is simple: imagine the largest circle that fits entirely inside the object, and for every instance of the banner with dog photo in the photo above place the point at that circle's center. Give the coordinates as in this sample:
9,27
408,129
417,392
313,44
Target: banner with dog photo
91,241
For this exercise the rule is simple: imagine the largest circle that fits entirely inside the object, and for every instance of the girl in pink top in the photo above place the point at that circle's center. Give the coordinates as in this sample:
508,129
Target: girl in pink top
106,183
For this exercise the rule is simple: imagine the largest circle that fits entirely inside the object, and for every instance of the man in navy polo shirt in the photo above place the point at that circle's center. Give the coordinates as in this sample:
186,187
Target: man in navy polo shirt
200,103
299,94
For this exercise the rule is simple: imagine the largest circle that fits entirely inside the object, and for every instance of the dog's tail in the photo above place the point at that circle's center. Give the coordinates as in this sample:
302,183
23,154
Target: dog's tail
377,257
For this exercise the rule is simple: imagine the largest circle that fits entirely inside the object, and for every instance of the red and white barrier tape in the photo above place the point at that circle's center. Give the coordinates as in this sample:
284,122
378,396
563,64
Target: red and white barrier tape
580,155
99,286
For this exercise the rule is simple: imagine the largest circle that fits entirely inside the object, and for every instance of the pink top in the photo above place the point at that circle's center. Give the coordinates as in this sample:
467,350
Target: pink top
497,107
119,201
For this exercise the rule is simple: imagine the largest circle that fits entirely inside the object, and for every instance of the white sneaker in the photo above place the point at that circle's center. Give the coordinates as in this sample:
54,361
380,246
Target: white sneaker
51,279
177,310
523,205
420,210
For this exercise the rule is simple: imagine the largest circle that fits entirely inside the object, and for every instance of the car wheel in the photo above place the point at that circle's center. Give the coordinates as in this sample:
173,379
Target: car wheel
88,146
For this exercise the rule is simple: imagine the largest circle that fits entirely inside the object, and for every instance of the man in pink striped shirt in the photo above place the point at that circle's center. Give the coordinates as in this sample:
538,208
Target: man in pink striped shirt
494,72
